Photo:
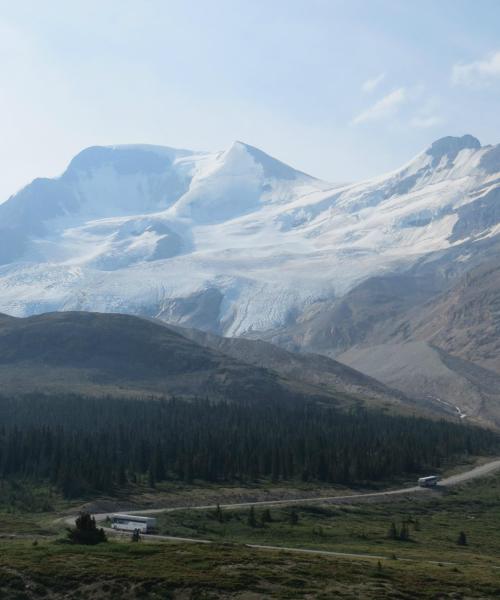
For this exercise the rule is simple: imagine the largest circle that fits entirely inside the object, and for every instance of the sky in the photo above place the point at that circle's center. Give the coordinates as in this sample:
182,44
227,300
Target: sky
341,89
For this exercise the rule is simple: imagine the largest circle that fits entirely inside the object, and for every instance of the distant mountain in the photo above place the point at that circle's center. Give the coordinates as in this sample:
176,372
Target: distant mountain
234,242
144,230
237,243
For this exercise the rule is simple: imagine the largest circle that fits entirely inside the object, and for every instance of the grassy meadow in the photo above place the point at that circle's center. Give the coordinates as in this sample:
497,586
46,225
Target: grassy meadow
37,562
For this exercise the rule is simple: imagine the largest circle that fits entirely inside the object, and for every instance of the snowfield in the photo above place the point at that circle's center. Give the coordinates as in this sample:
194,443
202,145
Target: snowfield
232,241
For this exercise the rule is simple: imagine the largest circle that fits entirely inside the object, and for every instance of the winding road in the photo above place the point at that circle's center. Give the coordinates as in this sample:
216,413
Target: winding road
474,473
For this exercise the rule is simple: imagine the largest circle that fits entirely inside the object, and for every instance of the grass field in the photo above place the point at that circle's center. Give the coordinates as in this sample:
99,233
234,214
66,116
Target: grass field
34,563
433,522
125,570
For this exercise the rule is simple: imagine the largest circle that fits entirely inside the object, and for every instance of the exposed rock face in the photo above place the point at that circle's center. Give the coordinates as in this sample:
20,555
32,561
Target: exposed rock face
421,370
464,321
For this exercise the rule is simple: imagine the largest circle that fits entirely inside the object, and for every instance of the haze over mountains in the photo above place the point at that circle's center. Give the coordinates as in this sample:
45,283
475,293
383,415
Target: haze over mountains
237,243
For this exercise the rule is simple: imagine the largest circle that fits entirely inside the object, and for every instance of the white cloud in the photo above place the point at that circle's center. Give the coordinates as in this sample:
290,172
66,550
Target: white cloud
427,110
383,108
425,122
371,84
477,72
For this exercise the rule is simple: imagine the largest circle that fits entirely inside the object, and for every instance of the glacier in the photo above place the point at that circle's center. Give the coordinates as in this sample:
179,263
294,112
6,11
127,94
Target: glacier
232,241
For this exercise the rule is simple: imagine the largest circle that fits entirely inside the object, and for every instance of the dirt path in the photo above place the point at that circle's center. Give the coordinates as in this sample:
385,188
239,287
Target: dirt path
359,556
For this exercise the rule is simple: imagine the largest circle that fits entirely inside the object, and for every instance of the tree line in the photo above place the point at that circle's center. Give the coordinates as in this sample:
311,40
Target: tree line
83,445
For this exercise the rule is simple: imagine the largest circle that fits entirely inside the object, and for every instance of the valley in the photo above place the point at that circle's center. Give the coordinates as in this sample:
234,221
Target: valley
276,430
324,549
249,300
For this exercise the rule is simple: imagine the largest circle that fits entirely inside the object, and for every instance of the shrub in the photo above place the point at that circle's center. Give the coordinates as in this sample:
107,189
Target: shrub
86,531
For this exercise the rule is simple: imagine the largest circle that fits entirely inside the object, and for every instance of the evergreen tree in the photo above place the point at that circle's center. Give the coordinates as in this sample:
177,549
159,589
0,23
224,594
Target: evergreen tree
251,520
293,517
404,532
83,446
86,531
122,476
151,477
462,539
266,516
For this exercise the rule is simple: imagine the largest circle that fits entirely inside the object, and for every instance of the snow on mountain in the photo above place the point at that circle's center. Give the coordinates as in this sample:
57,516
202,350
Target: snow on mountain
231,241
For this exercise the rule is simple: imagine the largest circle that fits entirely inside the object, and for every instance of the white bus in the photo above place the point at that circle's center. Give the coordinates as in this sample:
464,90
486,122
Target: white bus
429,481
133,522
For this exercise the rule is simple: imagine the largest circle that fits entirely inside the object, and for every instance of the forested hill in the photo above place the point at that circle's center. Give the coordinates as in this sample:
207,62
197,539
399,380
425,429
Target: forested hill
123,355
85,446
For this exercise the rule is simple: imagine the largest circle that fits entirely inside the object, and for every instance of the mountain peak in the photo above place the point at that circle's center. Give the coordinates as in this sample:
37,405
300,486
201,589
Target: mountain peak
272,167
450,146
125,159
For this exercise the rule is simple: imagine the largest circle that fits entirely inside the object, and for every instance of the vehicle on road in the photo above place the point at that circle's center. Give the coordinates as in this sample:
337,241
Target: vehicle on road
429,481
133,523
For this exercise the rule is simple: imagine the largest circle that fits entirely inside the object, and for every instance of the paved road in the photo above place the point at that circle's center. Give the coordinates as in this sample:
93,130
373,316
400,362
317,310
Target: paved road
477,472
481,471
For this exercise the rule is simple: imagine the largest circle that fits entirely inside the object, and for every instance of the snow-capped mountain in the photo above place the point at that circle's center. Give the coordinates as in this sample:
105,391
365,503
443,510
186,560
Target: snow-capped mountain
233,241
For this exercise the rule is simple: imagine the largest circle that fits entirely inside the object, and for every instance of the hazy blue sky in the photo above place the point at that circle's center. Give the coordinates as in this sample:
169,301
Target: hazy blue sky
341,89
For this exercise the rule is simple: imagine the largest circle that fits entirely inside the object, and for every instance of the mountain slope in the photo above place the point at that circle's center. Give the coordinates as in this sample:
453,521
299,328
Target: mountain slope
463,321
96,353
313,369
424,371
235,242
362,316
123,355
